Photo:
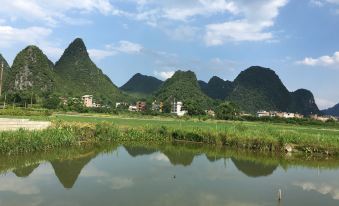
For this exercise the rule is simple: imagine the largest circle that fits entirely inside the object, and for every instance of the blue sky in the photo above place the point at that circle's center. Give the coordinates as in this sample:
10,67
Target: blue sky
296,38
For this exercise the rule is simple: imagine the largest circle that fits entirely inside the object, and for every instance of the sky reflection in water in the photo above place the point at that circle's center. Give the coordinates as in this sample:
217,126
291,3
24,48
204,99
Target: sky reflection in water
166,175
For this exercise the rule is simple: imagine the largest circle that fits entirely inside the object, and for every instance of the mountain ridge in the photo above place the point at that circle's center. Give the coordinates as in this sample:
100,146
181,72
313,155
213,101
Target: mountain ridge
31,71
333,111
81,76
140,83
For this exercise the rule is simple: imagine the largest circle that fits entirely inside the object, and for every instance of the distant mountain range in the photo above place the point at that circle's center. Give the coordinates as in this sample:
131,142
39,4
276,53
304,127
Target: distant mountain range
333,111
74,74
142,84
256,88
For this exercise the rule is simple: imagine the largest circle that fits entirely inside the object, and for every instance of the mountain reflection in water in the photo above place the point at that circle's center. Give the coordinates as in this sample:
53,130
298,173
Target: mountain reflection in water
69,170
68,164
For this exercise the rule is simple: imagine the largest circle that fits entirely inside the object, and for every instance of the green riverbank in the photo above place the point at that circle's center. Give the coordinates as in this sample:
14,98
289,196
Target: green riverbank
73,131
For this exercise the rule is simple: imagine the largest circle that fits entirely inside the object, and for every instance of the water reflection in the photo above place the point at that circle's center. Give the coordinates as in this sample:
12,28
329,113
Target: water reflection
322,188
68,170
254,169
179,157
135,151
25,171
68,164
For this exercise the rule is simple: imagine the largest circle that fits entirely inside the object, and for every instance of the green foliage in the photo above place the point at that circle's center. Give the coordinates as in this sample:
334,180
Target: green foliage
5,71
75,104
260,88
10,111
21,98
303,102
51,102
216,88
31,72
227,110
81,76
142,84
259,136
193,108
183,86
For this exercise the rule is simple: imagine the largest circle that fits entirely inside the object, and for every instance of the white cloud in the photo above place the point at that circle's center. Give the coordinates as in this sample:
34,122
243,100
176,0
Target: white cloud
98,54
164,74
258,16
218,34
92,171
185,33
19,186
110,50
333,1
127,47
201,7
244,20
324,61
117,183
324,189
53,12
317,3
30,35
152,11
159,157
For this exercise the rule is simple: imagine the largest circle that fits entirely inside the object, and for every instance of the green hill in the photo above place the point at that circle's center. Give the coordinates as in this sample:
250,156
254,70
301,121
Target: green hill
183,86
216,88
302,101
5,72
259,88
334,111
142,84
31,72
81,76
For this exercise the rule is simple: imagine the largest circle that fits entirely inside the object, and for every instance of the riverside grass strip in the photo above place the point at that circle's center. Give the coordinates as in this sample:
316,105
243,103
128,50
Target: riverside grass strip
259,136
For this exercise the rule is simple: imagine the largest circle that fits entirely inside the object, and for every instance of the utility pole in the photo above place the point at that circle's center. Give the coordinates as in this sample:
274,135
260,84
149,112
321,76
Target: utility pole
31,99
5,102
1,75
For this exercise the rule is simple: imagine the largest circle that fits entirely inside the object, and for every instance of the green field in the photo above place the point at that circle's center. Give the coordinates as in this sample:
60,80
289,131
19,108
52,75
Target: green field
250,135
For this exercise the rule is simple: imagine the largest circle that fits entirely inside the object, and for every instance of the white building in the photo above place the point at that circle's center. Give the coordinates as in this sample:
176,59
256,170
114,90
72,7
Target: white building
133,108
178,109
87,100
263,114
289,115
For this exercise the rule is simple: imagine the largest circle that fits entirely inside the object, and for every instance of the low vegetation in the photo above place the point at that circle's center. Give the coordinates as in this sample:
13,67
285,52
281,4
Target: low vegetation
80,130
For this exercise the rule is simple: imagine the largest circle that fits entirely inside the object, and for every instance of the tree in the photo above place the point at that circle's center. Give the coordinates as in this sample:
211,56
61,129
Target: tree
227,110
51,102
193,108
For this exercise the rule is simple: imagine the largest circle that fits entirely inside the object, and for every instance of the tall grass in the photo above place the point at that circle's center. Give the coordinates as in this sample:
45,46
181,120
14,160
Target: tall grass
263,137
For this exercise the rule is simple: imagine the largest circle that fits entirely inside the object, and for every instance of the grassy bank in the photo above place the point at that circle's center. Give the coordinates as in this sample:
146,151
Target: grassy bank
70,131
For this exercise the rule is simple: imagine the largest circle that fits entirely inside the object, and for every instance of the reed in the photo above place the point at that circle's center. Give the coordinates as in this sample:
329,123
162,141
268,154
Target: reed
263,137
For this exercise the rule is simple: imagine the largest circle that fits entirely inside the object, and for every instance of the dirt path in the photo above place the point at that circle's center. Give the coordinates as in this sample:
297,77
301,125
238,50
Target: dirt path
9,124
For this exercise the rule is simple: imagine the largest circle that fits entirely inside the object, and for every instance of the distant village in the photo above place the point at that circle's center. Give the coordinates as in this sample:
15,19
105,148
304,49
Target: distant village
288,115
140,106
178,109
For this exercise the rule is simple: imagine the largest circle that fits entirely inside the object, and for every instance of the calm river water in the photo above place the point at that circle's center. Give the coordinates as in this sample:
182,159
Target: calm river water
166,175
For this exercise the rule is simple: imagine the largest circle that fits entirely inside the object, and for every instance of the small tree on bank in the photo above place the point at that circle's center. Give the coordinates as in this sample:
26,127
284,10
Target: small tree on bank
227,110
